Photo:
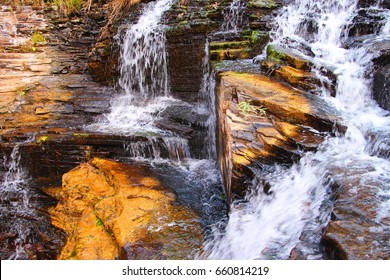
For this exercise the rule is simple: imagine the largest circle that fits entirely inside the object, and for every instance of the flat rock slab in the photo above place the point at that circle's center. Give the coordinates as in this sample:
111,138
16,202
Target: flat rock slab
284,102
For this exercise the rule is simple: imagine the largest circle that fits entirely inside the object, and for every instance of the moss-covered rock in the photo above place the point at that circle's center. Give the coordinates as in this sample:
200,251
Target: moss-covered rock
263,4
287,56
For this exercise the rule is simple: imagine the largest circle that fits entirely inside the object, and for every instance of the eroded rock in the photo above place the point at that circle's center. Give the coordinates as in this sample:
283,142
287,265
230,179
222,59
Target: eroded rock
263,122
108,209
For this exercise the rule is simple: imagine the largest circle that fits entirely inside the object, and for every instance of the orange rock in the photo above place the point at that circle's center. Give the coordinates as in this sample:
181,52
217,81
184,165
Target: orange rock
111,210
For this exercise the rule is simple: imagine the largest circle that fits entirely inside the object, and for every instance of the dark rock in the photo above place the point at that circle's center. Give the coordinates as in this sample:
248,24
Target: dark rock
368,3
381,89
358,231
367,21
185,114
185,49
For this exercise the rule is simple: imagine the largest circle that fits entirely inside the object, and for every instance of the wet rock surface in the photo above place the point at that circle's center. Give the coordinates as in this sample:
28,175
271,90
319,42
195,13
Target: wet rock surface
382,87
359,228
263,122
47,96
111,210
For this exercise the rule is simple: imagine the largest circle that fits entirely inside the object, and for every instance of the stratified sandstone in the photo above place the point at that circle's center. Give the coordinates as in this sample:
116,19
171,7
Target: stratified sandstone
280,123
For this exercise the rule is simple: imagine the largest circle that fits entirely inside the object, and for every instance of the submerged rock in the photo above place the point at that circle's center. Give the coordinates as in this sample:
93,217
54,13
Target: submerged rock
360,224
111,210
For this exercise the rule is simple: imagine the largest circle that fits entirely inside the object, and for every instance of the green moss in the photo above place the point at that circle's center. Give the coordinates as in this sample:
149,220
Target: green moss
228,45
263,4
148,134
73,254
273,53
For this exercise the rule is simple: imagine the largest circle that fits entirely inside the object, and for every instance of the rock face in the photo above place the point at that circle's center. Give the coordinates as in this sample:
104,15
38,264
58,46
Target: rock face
263,122
44,79
382,87
359,228
111,210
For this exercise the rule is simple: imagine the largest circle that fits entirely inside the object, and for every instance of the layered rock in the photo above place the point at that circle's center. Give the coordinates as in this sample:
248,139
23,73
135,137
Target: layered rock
263,122
111,210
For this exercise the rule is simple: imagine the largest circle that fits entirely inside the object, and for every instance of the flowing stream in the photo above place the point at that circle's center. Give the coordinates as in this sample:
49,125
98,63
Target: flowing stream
298,207
23,224
143,95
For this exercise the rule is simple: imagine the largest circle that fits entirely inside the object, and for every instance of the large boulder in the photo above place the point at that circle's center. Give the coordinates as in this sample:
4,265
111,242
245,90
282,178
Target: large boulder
111,210
263,123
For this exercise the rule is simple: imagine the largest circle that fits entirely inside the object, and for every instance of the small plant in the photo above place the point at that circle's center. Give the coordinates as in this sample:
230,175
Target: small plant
43,139
37,38
246,108
67,7
99,222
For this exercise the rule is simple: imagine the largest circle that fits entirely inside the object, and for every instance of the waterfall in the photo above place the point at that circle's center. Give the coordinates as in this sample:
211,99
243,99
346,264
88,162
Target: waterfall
143,81
15,201
233,19
207,91
143,57
144,88
293,213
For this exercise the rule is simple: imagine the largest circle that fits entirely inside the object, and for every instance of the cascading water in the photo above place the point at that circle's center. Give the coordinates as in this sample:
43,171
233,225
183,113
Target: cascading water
234,16
14,193
144,88
22,225
293,213
143,80
207,92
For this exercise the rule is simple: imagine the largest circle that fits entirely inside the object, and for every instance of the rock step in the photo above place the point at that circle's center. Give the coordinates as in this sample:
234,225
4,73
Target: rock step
304,80
264,123
289,57
284,102
230,54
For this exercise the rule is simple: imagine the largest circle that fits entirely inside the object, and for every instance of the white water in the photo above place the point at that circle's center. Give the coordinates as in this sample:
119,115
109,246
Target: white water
234,16
15,198
207,91
295,212
143,80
